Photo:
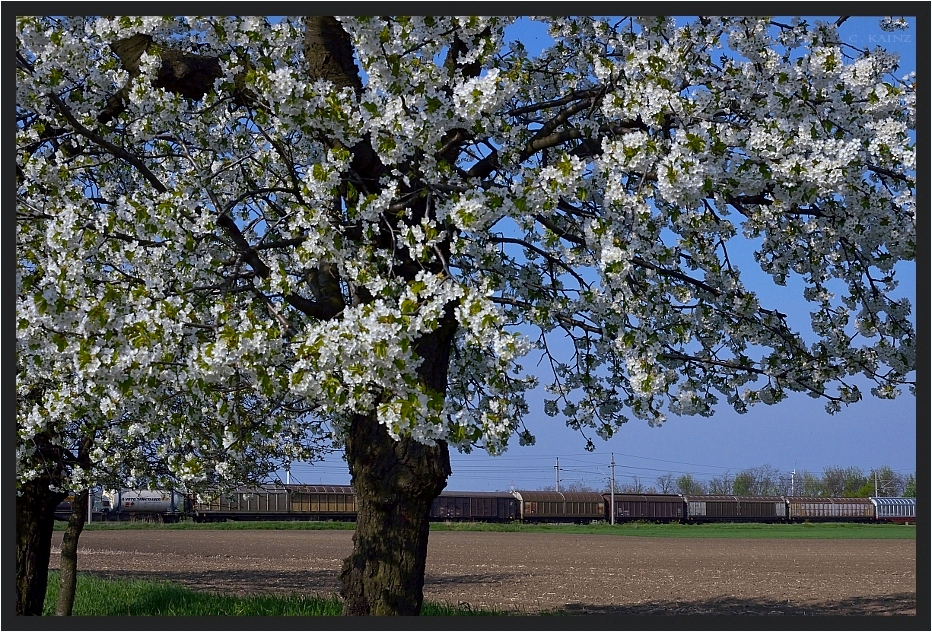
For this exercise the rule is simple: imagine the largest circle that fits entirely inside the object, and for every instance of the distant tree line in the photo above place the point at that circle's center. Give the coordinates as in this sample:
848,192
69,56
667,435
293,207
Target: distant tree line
766,480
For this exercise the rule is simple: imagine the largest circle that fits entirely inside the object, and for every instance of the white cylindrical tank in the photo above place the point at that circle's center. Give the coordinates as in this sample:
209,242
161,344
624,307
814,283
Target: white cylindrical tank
143,501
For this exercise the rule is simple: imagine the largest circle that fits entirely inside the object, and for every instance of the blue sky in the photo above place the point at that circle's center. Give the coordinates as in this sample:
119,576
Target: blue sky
795,434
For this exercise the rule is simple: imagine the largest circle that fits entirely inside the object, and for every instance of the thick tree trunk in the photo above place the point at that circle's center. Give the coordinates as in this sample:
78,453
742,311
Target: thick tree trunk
35,516
69,554
395,483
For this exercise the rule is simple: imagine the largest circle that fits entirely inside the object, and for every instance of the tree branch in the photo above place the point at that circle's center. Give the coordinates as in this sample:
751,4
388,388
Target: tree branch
102,142
573,96
543,253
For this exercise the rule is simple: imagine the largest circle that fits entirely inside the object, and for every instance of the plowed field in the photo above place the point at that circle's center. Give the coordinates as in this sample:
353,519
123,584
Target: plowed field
529,573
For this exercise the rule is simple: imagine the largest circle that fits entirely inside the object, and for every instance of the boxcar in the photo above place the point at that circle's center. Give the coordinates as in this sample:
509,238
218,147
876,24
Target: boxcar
800,509
323,502
894,509
280,502
656,507
243,503
735,508
478,506
538,506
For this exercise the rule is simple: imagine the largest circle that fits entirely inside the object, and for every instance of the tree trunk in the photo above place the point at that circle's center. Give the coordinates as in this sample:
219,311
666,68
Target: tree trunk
69,554
35,516
395,483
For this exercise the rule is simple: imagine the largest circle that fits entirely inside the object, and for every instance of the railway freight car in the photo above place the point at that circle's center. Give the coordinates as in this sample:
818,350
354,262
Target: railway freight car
264,502
802,509
279,502
475,506
100,507
145,504
653,507
537,506
735,508
894,509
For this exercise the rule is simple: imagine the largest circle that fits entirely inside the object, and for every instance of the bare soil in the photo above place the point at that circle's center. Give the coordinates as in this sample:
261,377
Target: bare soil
529,573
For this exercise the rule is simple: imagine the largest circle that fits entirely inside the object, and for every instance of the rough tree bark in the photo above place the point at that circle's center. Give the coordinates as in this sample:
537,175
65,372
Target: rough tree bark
395,482
35,516
68,580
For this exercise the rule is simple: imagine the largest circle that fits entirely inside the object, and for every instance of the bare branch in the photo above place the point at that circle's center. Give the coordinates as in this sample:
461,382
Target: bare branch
573,96
543,253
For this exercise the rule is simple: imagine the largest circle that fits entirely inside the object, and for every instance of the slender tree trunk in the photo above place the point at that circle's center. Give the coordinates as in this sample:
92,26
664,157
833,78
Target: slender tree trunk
395,483
35,516
69,554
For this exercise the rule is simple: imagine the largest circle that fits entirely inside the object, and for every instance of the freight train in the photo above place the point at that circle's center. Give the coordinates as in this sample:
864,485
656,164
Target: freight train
338,502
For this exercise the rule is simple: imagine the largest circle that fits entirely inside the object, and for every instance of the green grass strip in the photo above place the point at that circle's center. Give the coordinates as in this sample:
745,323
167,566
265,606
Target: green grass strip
808,530
99,597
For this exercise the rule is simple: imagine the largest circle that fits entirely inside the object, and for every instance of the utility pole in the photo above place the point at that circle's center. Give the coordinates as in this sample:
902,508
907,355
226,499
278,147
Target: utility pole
612,505
793,483
557,470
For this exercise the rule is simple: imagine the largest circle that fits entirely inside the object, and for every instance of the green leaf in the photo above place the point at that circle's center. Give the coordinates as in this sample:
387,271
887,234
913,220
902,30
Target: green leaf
695,142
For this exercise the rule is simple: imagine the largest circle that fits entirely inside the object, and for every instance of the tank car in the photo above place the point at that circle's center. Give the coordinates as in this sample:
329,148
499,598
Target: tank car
145,504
